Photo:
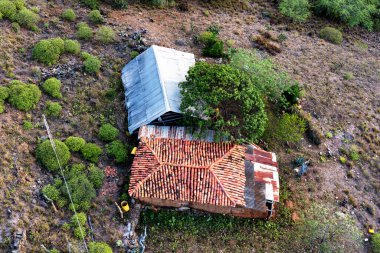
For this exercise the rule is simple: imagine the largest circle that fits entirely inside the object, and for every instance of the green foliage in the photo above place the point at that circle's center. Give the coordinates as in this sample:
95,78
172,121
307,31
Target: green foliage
213,46
226,99
289,128
92,4
99,247
8,9
75,143
23,96
4,93
120,4
298,10
91,152
375,242
72,47
96,176
79,217
342,160
53,109
52,86
68,15
105,35
82,192
45,154
354,154
107,132
54,251
118,150
51,192
27,18
48,51
91,63
290,96
20,4
95,17
2,106
84,32
78,233
16,27
27,125
332,35
134,54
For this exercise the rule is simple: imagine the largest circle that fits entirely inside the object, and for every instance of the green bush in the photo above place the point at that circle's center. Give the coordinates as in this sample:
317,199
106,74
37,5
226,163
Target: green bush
68,15
92,4
290,128
7,9
78,233
16,27
23,96
107,132
213,46
332,35
27,125
52,86
46,156
91,152
134,54
75,143
2,106
290,96
375,241
4,93
117,150
53,109
92,64
72,47
298,10
48,51
95,17
96,176
79,217
27,18
35,9
20,4
82,192
105,35
84,32
99,247
51,192
120,4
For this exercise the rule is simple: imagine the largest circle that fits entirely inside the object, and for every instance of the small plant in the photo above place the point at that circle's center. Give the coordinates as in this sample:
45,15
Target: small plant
96,176
92,4
95,17
91,63
332,35
354,154
348,76
282,37
117,150
120,4
16,27
27,125
99,247
52,86
27,18
2,106
51,192
46,156
329,135
53,109
107,132
4,93
48,51
213,46
84,32
342,160
23,96
75,143
105,35
298,10
375,242
91,152
134,54
68,15
72,47
8,9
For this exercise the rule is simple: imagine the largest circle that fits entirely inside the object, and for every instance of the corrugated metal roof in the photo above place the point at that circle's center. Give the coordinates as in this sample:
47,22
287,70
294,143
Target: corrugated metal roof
151,84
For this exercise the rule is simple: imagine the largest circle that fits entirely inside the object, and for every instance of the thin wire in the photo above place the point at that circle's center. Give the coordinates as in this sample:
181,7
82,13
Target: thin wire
64,179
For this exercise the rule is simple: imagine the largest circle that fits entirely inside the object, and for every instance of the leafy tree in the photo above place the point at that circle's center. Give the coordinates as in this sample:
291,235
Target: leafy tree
23,96
298,10
46,156
223,98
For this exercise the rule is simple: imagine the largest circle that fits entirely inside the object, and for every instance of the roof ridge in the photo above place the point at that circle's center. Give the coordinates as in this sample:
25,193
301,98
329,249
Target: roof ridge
216,178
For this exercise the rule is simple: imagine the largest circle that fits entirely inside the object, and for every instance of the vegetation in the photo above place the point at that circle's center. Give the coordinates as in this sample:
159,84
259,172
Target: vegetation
376,243
23,96
96,176
91,63
99,247
69,15
118,150
289,128
91,152
27,18
84,32
298,10
79,231
53,109
75,143
72,47
223,98
27,125
48,51
95,17
7,9
105,35
45,154
4,93
213,46
52,86
107,132
92,4
332,35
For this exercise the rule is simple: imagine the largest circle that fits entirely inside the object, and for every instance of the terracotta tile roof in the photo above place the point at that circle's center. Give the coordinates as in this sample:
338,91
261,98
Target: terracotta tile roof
221,174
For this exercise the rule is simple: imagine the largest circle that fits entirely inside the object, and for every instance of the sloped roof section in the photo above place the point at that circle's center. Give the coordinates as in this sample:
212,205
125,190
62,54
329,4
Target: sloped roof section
222,174
151,84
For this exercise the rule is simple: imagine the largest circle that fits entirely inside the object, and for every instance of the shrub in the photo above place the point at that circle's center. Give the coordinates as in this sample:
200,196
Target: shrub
23,96
105,35
84,31
2,106
99,247
120,4
46,156
35,9
290,96
52,86
16,27
117,150
92,64
78,233
290,128
82,192
53,109
107,132
92,4
332,35
213,47
72,47
79,217
91,152
27,18
48,51
375,241
95,17
20,4
96,176
298,10
51,192
208,90
75,143
4,93
134,54
68,15
27,125
8,9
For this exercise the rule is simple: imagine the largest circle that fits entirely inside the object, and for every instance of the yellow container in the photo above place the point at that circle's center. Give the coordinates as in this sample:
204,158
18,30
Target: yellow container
133,152
124,206
371,231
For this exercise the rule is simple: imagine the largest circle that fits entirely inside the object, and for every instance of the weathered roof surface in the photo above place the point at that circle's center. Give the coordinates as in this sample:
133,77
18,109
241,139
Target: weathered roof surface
223,174
151,84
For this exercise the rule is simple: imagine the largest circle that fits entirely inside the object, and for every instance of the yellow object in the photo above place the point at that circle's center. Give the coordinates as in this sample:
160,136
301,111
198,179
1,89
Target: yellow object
125,206
133,152
371,231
